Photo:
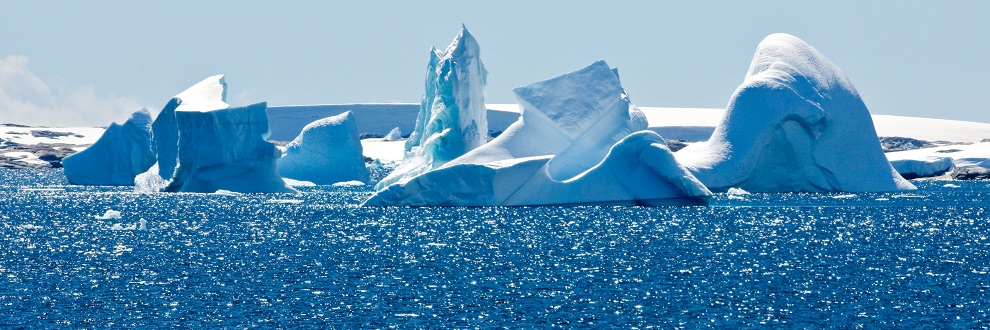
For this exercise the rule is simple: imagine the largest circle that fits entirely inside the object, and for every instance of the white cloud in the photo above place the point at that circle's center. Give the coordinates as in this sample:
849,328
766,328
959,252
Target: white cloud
26,99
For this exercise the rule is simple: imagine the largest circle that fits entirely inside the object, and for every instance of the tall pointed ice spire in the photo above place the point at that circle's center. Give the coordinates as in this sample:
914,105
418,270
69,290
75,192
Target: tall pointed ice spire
452,119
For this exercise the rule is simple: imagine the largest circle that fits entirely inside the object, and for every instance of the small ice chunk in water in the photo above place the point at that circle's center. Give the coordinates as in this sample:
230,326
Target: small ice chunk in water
285,201
347,184
737,191
141,225
109,214
118,226
29,226
951,185
844,196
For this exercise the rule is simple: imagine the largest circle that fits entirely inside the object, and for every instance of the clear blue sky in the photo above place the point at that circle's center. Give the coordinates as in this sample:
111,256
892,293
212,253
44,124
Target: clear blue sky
91,62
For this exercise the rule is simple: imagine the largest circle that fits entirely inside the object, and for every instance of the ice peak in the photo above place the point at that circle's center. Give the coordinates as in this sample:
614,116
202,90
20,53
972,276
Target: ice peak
141,118
786,58
796,123
463,45
208,94
453,118
563,99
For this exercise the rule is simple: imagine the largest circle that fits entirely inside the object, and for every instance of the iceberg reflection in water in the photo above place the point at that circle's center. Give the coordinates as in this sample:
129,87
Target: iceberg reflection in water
316,259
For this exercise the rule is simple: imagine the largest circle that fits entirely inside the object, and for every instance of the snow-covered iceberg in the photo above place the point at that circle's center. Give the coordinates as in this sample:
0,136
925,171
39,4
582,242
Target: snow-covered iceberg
572,145
795,124
327,151
394,135
225,149
453,117
575,117
120,154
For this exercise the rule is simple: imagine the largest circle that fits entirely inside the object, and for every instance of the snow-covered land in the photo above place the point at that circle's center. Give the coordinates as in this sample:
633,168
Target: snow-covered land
698,124
795,124
327,151
121,153
225,149
370,118
452,119
572,145
32,147
964,161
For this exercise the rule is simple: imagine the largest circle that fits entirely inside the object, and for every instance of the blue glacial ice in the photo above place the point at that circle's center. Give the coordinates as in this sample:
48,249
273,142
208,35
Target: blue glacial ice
795,124
327,151
210,93
225,149
119,155
452,118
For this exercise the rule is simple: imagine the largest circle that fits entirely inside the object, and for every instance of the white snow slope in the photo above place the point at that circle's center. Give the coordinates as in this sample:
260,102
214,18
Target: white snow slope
572,145
453,118
795,124
327,151
121,153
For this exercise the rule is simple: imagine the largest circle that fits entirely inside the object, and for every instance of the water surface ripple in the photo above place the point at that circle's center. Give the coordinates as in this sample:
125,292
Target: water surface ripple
315,259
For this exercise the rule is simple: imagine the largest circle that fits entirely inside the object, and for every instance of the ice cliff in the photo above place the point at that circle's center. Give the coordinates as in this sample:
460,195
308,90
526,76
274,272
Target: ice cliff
225,149
327,151
795,124
572,145
452,118
120,154
208,94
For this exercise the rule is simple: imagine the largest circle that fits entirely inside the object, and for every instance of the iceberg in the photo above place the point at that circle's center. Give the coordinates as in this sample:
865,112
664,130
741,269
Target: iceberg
327,151
576,117
119,155
224,149
453,117
579,141
394,135
210,93
795,124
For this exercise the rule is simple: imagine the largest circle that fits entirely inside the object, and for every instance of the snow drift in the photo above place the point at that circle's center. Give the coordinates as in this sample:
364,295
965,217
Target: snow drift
327,151
120,154
225,149
795,124
452,118
572,145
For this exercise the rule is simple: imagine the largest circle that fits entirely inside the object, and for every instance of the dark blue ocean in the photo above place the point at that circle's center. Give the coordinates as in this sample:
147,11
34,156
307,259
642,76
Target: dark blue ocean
316,259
